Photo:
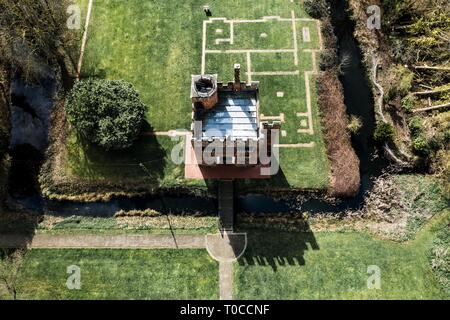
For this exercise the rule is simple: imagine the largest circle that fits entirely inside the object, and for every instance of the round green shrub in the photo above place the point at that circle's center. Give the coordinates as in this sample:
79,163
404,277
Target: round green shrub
384,132
107,113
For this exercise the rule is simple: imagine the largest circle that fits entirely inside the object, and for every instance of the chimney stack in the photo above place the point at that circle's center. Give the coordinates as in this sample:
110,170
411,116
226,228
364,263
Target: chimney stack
237,77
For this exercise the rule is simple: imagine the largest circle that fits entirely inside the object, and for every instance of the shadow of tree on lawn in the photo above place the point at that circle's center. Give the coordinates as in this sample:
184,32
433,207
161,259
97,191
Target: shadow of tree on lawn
90,161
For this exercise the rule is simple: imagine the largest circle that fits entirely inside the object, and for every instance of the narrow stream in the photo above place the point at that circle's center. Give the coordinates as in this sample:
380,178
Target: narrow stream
30,136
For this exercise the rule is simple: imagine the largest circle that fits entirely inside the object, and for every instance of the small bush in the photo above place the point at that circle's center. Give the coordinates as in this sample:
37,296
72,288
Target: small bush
436,142
421,146
354,125
416,126
408,103
384,132
106,113
317,9
400,82
405,83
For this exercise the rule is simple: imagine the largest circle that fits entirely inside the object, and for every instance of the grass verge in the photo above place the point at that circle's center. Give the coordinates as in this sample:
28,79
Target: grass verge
120,274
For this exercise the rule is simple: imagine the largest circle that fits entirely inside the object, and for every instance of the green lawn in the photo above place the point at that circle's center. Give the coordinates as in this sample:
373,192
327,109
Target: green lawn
120,274
157,46
333,265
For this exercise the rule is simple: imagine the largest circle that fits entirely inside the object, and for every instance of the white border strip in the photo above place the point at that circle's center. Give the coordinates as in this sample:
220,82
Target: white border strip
83,42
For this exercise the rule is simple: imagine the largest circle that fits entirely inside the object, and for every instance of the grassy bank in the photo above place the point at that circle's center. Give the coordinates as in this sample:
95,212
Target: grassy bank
22,223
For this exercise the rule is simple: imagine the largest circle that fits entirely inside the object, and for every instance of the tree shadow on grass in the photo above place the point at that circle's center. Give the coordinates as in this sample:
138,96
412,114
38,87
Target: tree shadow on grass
17,229
91,161
278,248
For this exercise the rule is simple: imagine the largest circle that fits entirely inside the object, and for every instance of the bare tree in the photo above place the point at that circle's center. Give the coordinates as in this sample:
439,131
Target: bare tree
34,35
10,267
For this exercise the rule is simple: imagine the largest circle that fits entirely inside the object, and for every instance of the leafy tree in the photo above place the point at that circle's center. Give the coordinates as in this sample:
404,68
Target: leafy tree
107,113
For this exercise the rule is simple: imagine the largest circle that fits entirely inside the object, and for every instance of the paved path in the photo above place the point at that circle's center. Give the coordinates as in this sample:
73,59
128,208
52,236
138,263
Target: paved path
226,280
104,241
226,248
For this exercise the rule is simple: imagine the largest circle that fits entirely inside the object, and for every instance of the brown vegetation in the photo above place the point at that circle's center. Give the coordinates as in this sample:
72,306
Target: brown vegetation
396,208
344,162
34,36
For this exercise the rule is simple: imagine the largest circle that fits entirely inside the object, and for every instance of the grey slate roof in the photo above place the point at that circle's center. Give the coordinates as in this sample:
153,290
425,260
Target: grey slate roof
235,116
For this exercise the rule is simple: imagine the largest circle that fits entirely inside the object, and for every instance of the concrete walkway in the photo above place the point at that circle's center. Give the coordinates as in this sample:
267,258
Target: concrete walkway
226,248
226,280
43,241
